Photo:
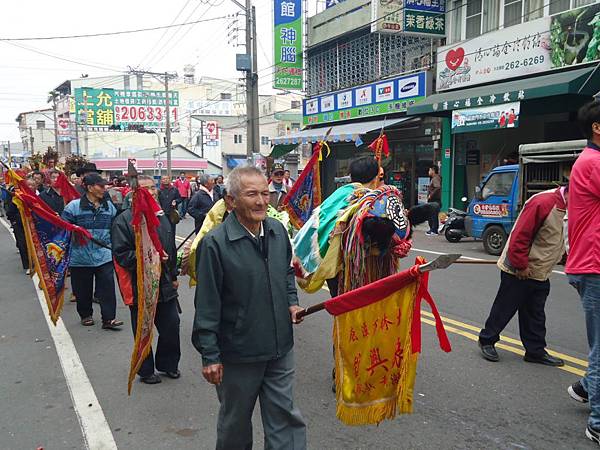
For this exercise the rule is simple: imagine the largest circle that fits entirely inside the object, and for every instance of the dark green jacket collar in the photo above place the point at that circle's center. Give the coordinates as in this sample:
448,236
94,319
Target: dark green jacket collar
235,230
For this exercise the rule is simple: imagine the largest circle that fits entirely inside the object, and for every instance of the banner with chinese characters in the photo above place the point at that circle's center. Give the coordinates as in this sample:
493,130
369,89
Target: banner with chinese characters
421,17
287,44
375,99
124,109
562,40
486,118
377,338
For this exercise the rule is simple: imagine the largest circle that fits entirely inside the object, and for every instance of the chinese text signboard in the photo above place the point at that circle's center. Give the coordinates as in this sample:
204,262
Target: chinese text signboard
537,46
287,45
384,97
421,17
125,109
486,118
491,210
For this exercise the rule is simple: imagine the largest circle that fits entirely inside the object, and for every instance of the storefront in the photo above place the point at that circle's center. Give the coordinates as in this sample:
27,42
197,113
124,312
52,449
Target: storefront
552,65
483,127
353,119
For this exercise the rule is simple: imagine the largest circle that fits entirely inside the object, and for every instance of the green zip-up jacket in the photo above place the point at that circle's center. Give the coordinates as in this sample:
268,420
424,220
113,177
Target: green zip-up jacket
243,294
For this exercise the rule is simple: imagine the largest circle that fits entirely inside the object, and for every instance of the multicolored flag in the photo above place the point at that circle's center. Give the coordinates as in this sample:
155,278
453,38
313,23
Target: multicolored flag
48,242
305,194
377,338
148,251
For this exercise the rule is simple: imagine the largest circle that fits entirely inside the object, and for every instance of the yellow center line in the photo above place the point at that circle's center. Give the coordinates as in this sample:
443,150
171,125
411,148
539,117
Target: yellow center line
506,339
501,344
509,348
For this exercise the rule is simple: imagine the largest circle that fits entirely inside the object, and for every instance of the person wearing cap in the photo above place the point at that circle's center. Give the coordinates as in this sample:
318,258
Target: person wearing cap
82,171
167,351
92,261
277,188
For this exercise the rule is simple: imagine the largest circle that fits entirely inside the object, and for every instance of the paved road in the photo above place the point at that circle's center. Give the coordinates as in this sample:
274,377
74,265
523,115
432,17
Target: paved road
461,400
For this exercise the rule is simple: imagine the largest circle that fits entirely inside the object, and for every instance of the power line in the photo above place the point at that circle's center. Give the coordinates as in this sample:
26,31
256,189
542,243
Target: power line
164,33
50,55
112,33
164,46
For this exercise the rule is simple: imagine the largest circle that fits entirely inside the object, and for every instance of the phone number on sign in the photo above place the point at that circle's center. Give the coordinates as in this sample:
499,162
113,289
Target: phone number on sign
143,113
524,62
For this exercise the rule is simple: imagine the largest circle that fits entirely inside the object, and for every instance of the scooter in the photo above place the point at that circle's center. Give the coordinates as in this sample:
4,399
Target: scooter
454,226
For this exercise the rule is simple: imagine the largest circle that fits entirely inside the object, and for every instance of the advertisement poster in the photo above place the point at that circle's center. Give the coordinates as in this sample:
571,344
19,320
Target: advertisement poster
502,116
562,40
422,185
124,108
491,210
383,97
287,44
387,16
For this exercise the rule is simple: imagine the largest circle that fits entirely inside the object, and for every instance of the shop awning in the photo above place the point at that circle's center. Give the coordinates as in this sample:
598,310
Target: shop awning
347,132
559,83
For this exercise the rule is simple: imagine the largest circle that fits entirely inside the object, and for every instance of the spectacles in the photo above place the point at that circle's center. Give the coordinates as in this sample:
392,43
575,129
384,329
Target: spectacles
278,174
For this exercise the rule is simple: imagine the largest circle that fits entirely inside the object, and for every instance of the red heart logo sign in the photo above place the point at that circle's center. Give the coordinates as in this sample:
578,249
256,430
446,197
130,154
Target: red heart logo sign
454,58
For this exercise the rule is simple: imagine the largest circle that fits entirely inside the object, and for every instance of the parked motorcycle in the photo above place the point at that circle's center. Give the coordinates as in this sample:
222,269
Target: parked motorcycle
454,226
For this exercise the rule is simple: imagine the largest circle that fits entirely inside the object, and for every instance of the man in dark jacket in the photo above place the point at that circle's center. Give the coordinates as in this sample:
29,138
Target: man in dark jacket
167,317
246,302
14,216
51,195
169,198
202,201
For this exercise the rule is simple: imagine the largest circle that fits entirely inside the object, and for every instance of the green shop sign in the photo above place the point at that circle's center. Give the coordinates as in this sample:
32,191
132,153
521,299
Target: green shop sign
124,109
287,44
424,22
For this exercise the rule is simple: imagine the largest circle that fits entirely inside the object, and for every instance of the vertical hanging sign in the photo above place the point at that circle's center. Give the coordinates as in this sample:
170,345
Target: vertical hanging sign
287,44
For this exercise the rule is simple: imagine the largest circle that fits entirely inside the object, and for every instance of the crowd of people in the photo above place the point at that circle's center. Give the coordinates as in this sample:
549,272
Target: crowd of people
242,258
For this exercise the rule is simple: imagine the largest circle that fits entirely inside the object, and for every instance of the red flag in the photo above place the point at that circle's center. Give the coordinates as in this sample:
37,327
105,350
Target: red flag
148,251
67,190
380,144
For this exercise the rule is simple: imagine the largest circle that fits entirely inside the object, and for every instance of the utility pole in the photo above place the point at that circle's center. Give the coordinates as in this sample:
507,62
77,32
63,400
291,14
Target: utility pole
168,125
255,118
85,123
31,140
252,113
77,138
166,76
54,95
202,139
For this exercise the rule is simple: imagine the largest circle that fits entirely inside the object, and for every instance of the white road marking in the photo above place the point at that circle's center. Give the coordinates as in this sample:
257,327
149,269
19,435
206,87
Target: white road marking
466,257
95,429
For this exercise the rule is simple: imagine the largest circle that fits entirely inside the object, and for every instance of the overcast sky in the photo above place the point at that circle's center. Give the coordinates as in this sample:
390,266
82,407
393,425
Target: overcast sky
26,76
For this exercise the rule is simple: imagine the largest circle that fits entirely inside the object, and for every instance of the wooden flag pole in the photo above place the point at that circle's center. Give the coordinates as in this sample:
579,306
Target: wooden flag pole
441,262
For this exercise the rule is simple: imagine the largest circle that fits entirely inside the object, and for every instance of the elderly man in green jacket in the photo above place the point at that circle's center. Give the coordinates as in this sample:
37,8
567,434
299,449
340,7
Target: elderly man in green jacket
246,302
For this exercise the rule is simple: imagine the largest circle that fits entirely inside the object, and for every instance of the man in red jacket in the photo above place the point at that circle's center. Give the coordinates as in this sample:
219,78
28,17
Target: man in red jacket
583,265
185,192
535,245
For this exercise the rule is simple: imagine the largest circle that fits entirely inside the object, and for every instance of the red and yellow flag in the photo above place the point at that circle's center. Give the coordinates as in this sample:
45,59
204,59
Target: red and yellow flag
377,339
148,251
